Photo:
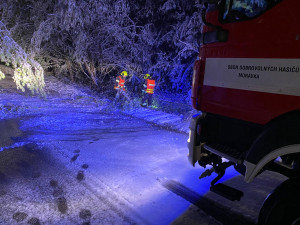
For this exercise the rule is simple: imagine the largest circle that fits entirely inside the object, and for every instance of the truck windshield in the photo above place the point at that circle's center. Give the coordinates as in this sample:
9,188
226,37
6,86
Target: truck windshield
236,10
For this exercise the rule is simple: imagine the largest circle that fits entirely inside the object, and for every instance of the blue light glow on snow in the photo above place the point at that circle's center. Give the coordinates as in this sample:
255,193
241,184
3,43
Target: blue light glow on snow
128,155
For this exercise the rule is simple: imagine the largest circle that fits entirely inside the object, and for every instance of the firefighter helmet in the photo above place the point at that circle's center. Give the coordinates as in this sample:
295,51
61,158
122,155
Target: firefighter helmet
124,73
147,76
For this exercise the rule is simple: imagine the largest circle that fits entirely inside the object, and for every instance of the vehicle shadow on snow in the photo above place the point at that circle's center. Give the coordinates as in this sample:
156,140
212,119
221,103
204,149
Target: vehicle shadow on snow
225,211
210,207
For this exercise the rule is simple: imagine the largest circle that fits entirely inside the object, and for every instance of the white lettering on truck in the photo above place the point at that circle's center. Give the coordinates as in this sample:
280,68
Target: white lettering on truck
279,76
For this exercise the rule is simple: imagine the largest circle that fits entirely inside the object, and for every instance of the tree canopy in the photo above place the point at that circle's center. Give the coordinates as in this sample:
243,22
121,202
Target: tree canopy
90,40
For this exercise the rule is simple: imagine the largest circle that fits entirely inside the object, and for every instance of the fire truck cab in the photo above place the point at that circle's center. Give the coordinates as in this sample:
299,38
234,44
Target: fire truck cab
246,83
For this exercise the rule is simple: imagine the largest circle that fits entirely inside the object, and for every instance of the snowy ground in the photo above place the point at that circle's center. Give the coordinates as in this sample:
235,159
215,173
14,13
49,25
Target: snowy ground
71,159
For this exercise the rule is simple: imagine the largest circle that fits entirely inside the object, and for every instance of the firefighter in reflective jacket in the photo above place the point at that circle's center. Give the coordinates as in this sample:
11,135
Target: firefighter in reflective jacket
148,90
120,81
120,84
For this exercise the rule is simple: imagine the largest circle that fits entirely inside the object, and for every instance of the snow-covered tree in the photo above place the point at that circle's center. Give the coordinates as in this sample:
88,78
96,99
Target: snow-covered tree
177,43
90,40
27,72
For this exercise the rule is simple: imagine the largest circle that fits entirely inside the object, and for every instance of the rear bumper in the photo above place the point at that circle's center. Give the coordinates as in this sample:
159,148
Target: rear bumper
194,144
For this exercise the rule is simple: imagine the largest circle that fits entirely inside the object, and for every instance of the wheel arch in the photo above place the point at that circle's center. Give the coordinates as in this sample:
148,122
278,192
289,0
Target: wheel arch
281,136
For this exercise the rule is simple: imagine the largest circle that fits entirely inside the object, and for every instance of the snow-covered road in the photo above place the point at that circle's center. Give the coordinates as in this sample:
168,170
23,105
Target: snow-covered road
76,162
75,159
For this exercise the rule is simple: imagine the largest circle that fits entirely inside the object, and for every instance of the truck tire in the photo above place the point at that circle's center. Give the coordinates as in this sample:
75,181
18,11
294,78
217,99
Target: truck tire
282,206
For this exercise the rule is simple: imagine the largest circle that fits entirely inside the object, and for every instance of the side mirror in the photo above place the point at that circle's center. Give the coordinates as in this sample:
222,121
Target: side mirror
219,35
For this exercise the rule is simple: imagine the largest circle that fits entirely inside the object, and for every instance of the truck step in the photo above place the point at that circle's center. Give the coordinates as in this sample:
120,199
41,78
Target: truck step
227,192
233,155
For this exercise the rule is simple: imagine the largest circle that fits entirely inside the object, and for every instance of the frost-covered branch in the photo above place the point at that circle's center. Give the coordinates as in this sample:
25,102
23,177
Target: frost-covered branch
27,72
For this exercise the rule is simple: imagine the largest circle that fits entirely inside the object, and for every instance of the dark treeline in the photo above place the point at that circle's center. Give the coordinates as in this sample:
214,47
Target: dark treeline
89,41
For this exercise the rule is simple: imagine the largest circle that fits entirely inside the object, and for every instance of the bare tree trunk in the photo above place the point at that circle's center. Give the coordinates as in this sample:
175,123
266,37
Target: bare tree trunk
91,71
70,70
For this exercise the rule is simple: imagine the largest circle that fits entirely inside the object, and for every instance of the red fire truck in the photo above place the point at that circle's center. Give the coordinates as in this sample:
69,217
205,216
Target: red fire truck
246,84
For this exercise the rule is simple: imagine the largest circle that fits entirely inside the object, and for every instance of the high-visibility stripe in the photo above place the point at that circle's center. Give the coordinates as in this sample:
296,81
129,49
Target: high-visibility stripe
150,86
120,83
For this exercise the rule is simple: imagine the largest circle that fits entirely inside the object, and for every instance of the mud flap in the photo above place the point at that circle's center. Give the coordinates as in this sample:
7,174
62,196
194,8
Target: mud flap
194,145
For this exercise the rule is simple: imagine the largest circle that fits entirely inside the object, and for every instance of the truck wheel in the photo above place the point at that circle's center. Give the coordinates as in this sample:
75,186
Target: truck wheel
283,205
